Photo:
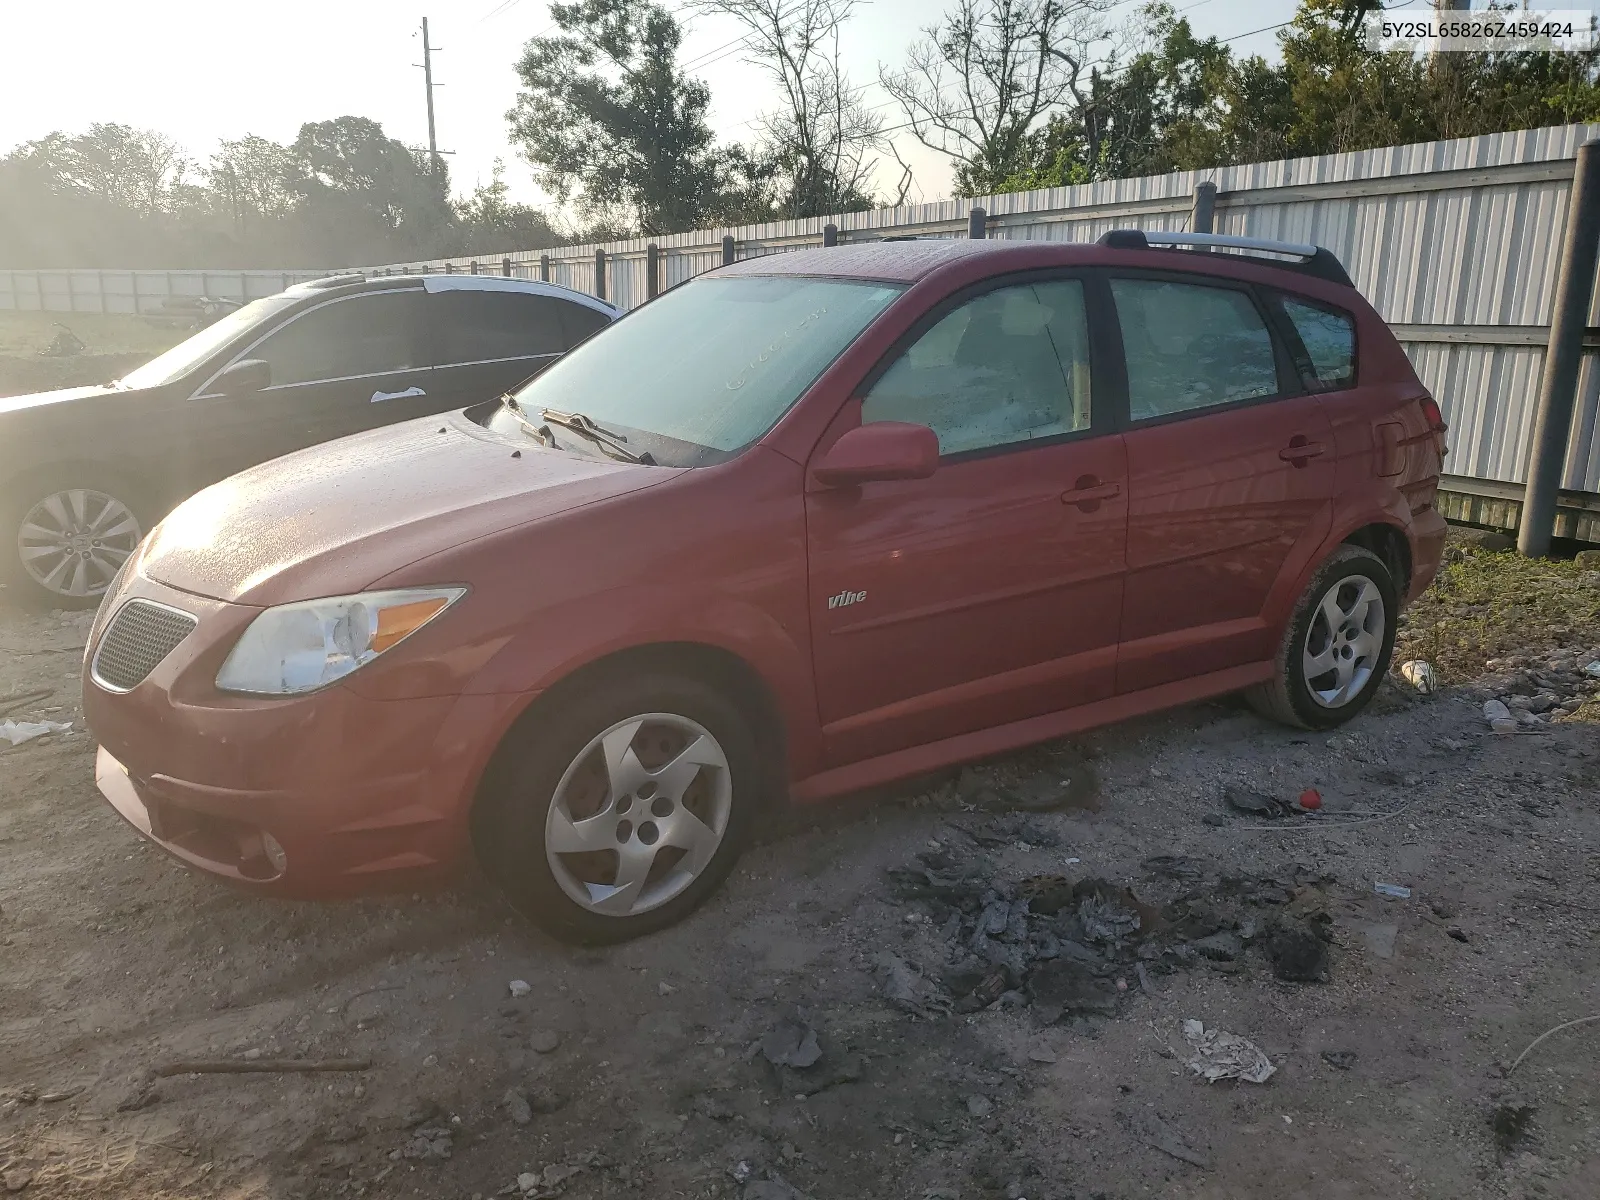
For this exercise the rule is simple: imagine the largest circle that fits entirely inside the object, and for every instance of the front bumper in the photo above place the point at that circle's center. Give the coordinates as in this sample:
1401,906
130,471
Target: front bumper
314,796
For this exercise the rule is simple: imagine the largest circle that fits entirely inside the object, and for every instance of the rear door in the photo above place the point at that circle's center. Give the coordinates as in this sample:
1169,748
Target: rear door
343,365
1230,470
990,591
488,341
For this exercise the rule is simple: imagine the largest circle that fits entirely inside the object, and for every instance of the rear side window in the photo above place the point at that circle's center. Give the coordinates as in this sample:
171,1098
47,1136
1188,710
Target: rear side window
363,335
487,326
1010,366
1328,338
1191,347
579,321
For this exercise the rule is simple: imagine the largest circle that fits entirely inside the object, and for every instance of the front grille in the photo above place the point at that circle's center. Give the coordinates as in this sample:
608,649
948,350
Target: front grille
137,639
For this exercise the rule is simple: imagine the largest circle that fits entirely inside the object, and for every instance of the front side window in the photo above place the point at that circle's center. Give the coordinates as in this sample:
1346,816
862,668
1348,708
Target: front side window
191,352
484,326
363,335
1010,366
1191,347
1329,339
709,367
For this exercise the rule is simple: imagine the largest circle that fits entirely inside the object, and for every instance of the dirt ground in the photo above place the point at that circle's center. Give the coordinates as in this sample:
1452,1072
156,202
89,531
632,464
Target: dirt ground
110,345
639,1070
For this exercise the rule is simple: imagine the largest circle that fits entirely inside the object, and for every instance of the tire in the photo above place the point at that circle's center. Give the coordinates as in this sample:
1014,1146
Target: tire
693,755
1356,584
64,536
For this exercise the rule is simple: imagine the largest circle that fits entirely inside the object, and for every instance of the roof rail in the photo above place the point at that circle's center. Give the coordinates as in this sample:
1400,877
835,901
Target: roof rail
1307,259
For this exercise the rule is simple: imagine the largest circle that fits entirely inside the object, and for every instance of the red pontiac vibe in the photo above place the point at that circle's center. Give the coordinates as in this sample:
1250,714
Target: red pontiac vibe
807,524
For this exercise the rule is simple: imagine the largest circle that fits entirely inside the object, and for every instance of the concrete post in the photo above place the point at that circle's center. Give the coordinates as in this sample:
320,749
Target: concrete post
1558,390
505,267
830,235
977,225
600,274
652,271
544,268
727,249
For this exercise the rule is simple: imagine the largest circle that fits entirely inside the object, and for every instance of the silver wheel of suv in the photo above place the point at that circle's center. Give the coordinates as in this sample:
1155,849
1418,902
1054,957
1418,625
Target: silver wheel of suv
1344,641
72,542
639,814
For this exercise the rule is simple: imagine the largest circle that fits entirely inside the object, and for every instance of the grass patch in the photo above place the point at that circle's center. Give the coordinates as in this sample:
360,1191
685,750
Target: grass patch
113,345
1490,605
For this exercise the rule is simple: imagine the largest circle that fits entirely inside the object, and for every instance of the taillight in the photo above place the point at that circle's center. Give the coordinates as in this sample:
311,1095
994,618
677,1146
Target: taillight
1435,418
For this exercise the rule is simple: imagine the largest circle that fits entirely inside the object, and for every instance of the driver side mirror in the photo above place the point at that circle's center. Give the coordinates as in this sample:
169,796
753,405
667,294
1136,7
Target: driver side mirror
243,377
877,451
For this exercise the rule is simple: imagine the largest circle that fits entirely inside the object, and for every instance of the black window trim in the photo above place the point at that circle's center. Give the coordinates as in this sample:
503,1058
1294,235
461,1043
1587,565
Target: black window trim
1304,368
1289,384
1097,316
419,337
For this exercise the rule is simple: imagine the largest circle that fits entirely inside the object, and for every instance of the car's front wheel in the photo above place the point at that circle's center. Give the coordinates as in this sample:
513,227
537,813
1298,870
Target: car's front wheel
625,809
66,537
1336,650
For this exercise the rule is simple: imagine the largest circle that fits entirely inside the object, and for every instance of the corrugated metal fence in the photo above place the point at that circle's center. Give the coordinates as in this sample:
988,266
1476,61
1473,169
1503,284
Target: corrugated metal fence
1457,244
89,291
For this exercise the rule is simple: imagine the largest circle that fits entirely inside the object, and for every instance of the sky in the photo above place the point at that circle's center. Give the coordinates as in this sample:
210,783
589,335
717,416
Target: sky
203,70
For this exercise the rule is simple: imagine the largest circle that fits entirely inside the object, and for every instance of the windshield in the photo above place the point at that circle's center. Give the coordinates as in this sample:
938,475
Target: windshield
711,365
187,354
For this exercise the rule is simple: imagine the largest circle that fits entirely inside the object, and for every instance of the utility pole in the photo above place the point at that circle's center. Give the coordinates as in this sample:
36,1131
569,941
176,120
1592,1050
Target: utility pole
427,77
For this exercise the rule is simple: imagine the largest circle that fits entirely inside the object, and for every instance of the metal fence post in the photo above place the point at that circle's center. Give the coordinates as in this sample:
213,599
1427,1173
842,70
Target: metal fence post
830,235
600,274
652,271
977,225
727,249
544,267
449,268
505,267
474,267
1203,217
1558,391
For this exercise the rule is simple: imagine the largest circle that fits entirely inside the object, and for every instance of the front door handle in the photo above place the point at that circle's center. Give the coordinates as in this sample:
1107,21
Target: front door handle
380,397
1300,450
1088,492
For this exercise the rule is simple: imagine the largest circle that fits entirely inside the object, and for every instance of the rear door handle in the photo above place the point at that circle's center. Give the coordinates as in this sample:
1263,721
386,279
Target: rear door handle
1088,492
1299,451
380,397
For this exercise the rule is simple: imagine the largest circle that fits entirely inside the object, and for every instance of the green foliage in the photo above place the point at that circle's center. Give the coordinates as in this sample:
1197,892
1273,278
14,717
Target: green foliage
609,118
343,194
1187,103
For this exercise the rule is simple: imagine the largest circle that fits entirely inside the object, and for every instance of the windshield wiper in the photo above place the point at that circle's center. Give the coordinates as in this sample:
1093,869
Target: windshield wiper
612,443
541,433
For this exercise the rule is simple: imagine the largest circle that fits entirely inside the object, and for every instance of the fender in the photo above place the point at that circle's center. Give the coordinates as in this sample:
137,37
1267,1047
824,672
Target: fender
1376,502
598,627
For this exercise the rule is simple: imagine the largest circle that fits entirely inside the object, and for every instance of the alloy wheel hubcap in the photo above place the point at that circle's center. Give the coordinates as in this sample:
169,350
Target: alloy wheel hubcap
639,814
73,542
1343,642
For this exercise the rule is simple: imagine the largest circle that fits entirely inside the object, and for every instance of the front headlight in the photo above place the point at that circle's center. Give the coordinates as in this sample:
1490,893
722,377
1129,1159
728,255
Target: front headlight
301,647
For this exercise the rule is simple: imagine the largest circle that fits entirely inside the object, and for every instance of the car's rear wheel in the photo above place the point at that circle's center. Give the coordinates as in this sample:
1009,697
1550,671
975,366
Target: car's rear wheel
1336,650
65,537
624,811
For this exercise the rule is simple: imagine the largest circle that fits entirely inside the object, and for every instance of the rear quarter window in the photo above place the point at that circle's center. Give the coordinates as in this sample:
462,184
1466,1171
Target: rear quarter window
1326,356
488,326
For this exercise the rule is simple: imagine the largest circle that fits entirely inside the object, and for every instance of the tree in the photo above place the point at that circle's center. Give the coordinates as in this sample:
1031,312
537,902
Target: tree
253,179
820,140
609,116
490,222
365,197
977,85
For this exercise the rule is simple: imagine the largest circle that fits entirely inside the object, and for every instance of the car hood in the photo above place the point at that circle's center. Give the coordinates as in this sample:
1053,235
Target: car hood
59,396
330,520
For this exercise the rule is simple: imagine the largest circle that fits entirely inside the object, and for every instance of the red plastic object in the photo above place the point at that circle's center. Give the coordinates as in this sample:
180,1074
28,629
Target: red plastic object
1311,799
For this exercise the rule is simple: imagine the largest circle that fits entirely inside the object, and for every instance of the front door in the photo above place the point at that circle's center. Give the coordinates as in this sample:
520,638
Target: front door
349,364
989,592
1229,473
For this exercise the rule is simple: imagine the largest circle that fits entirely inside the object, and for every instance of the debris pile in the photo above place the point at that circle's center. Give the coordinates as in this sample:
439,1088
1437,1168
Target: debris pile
1533,690
1067,948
